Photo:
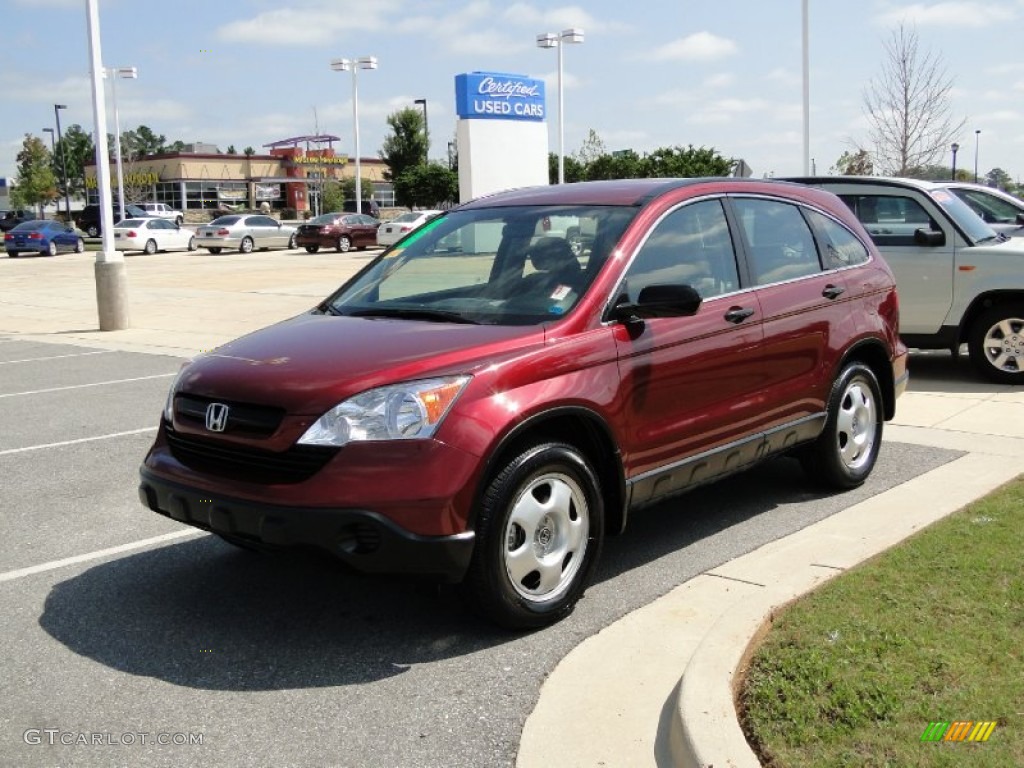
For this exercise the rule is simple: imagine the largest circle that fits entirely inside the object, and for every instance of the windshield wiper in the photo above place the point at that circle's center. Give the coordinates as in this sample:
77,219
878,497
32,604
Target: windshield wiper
414,313
327,308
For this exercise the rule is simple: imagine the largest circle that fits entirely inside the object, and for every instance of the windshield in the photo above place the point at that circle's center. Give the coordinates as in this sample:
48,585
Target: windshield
971,223
502,266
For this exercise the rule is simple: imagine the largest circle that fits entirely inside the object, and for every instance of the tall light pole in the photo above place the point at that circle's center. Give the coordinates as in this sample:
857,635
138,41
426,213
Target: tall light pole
977,138
426,128
111,276
551,40
354,65
53,151
128,73
63,163
955,147
807,92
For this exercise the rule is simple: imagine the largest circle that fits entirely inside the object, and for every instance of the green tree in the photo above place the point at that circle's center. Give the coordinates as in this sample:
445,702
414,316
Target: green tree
36,183
248,151
407,145
591,149
676,162
999,179
574,169
175,146
142,142
232,150
78,150
854,164
622,164
427,185
333,195
348,187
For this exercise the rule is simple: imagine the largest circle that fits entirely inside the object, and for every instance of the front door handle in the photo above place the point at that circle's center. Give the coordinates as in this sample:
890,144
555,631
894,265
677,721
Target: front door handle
738,314
832,291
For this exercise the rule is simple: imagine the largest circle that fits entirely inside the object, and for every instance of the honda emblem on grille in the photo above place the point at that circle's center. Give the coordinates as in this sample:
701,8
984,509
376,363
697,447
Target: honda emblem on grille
216,417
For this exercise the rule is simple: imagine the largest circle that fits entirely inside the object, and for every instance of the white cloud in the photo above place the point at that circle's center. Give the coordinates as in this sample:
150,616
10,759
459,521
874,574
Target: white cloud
784,76
700,46
316,24
726,110
556,19
721,80
954,13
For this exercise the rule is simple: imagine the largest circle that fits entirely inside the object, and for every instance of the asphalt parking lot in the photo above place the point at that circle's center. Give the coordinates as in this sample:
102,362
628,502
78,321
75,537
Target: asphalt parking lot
123,626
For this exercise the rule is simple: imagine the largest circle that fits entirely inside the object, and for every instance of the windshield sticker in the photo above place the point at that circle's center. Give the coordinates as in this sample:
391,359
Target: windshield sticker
941,195
420,231
560,293
556,310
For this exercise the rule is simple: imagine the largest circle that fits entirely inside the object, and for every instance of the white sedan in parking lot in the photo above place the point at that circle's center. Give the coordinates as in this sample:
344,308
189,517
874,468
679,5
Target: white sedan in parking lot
390,232
152,235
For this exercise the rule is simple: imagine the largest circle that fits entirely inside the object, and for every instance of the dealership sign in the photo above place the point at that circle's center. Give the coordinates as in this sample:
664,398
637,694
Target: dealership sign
497,96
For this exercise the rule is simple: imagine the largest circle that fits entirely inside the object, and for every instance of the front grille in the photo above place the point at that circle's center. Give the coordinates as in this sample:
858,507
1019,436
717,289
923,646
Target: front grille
243,420
254,465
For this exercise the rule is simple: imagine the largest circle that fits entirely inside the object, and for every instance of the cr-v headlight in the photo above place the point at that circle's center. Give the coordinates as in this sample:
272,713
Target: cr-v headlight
413,409
169,404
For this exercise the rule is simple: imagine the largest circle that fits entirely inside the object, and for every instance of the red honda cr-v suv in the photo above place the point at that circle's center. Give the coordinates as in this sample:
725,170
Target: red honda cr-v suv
485,401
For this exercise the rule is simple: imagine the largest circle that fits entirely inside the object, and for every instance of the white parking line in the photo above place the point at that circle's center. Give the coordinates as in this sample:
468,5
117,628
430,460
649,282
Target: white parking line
94,384
56,357
79,440
98,554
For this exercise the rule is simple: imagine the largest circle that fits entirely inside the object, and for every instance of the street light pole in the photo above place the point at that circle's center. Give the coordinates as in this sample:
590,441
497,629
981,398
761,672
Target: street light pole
130,73
426,128
551,40
53,151
954,146
345,65
977,138
63,163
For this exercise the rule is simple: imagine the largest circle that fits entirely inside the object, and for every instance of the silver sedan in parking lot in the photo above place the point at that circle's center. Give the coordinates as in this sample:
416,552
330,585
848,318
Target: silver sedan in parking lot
245,232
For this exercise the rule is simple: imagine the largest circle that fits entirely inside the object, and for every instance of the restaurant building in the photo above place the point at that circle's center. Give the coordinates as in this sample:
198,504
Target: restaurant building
291,175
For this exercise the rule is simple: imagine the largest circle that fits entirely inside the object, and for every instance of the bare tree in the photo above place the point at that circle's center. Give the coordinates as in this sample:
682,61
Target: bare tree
908,106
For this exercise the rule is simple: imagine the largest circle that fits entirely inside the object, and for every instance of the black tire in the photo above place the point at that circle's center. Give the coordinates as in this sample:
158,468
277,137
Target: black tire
573,532
12,254
246,245
291,242
51,249
80,246
996,343
192,243
214,250
150,247
312,248
93,230
845,453
344,244
179,220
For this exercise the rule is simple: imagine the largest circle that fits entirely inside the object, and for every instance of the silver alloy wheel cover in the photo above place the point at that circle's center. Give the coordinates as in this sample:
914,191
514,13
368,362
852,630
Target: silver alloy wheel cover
539,536
856,424
1004,345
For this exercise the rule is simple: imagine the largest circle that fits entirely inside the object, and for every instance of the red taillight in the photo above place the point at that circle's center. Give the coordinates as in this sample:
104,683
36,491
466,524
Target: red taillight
223,232
8,236
35,236
131,233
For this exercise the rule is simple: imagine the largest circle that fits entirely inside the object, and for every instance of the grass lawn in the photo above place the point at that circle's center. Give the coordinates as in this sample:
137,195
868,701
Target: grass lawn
932,630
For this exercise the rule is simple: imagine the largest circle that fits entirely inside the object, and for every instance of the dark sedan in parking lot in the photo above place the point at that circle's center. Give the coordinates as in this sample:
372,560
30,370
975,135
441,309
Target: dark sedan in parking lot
46,237
341,231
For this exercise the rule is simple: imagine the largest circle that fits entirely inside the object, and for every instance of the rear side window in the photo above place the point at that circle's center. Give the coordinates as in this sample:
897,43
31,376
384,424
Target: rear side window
690,246
841,246
779,241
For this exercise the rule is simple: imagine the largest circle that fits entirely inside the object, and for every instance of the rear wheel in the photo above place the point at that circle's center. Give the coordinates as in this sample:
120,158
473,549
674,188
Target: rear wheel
214,250
312,248
192,243
80,246
845,452
93,230
344,244
150,247
291,241
996,343
539,535
246,245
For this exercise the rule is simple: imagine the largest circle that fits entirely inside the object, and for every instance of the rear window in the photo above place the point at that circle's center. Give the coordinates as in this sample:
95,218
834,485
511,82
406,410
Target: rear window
224,221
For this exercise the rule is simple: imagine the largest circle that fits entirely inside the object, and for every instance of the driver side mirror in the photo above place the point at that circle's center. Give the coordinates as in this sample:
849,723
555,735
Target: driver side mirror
659,301
928,238
1020,218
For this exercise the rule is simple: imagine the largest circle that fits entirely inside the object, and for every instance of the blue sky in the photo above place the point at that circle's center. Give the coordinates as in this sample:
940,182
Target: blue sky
725,74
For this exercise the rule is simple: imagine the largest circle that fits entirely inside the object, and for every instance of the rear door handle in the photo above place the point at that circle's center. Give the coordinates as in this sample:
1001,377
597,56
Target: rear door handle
738,314
832,291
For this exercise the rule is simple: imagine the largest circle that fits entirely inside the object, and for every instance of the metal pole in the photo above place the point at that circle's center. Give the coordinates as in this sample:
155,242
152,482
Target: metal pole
111,276
977,135
63,163
561,118
112,73
807,93
355,133
426,129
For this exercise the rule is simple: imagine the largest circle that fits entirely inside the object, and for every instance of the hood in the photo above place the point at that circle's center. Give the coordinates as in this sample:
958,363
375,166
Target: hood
311,362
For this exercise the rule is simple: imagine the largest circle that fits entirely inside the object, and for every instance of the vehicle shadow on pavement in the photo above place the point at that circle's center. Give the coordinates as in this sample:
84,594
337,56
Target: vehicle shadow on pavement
203,614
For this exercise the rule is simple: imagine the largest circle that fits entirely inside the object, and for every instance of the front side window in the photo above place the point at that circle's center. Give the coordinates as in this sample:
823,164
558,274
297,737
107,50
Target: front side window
690,246
779,242
490,265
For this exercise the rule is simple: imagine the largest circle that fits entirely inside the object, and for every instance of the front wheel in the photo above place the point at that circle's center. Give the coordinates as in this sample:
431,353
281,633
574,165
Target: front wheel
996,343
214,250
192,243
291,242
93,230
80,246
312,248
344,244
246,245
539,534
51,249
844,454
150,248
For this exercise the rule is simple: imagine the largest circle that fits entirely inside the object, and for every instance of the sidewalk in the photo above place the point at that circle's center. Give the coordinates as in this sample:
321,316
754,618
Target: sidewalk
655,688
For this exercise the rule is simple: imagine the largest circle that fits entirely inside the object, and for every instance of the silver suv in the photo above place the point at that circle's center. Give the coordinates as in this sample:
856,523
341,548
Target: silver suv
959,281
161,210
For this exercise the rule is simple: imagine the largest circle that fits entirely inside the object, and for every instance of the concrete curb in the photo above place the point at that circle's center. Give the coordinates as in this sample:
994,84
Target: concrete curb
705,730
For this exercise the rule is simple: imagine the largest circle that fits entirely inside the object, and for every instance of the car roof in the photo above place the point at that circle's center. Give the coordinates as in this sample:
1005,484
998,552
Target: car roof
890,181
638,192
